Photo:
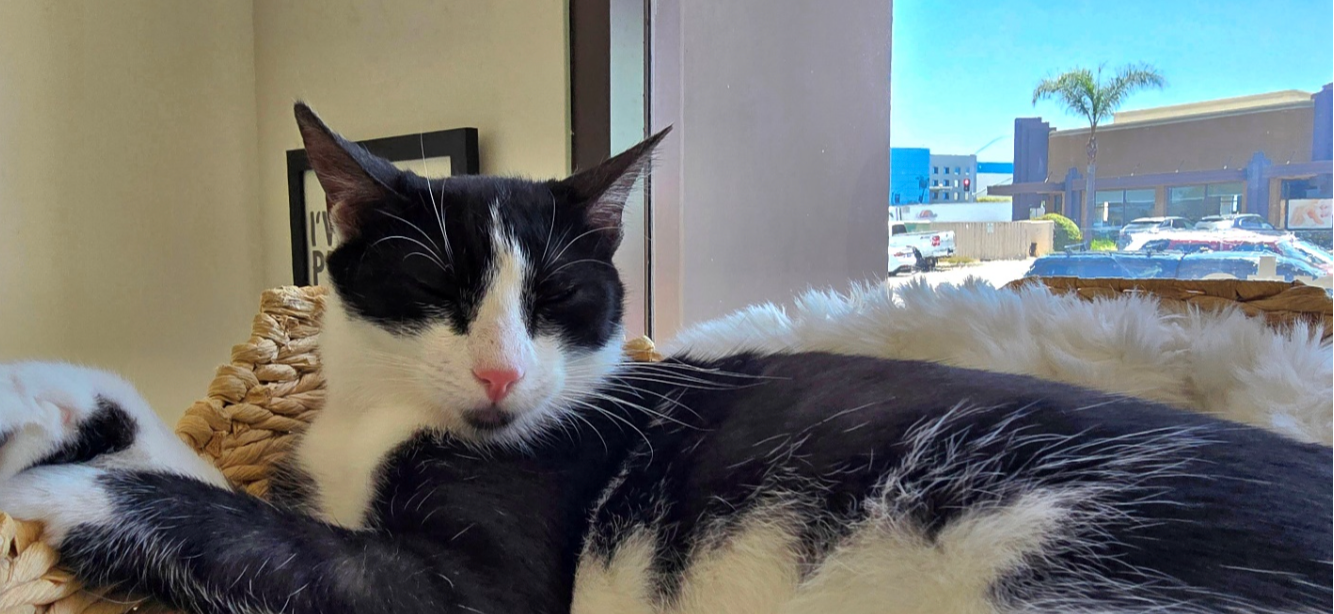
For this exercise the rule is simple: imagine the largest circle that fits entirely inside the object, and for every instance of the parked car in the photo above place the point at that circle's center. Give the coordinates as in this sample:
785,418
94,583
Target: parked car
927,247
1149,225
1102,230
901,260
1169,265
1243,265
1243,221
1236,241
1122,265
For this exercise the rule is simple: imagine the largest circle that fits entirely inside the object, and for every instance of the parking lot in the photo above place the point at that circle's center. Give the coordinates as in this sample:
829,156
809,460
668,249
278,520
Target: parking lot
996,272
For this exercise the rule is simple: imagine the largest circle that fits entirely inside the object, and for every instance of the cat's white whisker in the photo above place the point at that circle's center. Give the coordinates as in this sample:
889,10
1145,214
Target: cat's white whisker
437,251
432,255
571,242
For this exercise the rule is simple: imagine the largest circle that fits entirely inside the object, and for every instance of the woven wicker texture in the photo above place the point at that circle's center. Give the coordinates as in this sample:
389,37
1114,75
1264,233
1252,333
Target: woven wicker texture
1279,303
260,401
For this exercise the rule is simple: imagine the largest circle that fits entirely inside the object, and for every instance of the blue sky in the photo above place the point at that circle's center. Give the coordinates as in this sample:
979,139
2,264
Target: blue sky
963,70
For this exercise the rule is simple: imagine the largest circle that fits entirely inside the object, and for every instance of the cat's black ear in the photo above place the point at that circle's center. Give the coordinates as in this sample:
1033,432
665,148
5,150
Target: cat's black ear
353,179
601,191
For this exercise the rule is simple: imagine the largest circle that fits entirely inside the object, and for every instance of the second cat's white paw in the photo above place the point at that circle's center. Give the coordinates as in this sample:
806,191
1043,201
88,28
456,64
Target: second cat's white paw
58,412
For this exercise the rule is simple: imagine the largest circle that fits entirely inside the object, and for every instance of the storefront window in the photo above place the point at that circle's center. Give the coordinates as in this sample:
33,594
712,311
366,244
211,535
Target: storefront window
1307,205
1139,203
1187,202
1196,201
1116,208
1224,198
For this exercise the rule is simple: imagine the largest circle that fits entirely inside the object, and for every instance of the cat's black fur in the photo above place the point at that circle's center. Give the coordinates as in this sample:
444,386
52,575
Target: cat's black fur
500,532
1212,501
1217,515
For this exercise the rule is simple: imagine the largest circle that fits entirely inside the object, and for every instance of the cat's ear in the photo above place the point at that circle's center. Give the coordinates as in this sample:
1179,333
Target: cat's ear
600,192
353,179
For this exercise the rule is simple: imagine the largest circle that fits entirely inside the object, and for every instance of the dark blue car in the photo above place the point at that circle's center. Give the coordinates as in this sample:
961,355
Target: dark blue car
1167,265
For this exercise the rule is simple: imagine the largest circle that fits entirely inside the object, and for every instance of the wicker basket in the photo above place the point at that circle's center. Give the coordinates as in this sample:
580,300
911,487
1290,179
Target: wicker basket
266,395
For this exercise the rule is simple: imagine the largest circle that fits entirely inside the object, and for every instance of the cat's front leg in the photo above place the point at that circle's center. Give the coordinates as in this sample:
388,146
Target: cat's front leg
61,497
128,505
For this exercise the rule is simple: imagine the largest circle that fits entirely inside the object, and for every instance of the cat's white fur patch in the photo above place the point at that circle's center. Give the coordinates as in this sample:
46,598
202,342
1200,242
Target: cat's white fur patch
885,567
1225,364
61,497
498,337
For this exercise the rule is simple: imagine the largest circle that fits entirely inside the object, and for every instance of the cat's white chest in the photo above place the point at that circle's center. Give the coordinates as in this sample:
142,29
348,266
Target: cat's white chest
342,453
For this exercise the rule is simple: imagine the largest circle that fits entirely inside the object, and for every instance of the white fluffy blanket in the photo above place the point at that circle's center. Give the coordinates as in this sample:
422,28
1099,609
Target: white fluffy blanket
1224,364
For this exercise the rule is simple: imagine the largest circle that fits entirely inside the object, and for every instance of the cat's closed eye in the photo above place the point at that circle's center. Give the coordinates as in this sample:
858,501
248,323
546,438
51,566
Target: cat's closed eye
432,287
558,295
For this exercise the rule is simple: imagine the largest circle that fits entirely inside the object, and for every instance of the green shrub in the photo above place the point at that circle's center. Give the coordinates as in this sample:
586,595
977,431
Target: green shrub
1065,231
1102,245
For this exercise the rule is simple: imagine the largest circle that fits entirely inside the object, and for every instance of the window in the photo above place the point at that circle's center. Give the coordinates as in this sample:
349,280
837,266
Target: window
935,170
1187,202
1197,201
935,182
1304,208
1117,208
956,170
947,195
1225,196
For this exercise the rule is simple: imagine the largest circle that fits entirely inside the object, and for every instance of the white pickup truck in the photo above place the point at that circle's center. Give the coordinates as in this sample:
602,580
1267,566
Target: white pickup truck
920,251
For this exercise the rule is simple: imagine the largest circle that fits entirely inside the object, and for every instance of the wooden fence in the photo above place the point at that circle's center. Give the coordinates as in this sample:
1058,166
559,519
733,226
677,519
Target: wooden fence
999,240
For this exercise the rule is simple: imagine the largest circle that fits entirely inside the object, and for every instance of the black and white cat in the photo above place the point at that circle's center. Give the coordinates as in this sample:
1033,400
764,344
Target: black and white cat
483,448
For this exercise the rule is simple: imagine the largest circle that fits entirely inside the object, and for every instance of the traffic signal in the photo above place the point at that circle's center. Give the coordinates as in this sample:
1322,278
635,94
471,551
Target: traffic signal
966,183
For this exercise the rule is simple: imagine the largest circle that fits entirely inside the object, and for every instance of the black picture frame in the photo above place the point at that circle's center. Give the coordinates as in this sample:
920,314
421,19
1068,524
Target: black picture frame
459,144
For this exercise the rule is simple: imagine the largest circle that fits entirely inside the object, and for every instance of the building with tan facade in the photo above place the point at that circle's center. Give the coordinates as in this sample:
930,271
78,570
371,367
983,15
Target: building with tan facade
1268,154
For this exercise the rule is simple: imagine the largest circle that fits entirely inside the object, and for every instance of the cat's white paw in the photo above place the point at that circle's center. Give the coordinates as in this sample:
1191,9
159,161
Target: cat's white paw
41,407
62,497
48,410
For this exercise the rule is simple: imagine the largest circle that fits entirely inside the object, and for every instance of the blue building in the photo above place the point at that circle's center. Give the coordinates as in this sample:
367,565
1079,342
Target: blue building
909,175
917,176
993,173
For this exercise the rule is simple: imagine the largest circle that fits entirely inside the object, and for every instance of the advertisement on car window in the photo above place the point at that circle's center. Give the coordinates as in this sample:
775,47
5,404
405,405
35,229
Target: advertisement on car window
1310,213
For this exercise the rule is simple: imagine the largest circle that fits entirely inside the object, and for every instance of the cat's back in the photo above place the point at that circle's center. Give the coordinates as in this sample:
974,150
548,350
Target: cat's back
821,483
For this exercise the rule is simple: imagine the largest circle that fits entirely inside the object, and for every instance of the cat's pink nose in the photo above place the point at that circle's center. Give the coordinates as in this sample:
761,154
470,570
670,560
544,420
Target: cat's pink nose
497,381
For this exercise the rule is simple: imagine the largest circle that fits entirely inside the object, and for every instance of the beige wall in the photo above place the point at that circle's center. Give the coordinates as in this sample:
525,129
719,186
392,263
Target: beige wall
128,225
1187,144
143,202
373,68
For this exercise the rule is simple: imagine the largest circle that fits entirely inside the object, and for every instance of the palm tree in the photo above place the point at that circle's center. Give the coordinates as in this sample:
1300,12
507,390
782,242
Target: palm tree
1084,93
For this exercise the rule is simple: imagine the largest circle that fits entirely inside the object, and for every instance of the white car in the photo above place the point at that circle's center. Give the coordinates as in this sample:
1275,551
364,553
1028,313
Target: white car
901,260
1149,225
927,247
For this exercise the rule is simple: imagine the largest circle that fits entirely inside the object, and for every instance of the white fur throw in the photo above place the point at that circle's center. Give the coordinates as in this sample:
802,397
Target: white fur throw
1225,364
